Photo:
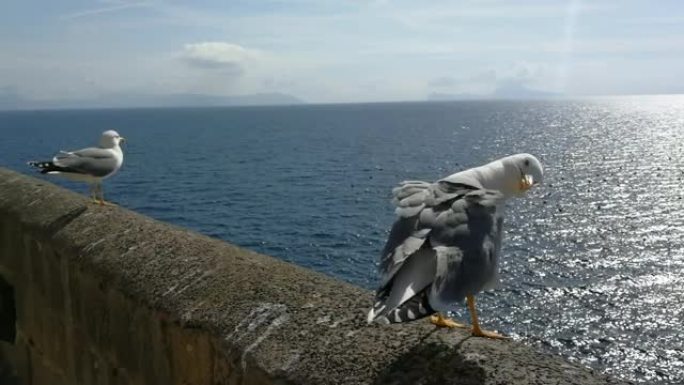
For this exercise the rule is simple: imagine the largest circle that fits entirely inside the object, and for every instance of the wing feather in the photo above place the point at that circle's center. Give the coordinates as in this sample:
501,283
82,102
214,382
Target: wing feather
93,161
467,248
440,227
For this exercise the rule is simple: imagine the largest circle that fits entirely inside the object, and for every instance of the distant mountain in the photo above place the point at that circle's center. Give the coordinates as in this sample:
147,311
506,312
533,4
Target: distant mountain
513,90
199,100
506,90
439,96
9,101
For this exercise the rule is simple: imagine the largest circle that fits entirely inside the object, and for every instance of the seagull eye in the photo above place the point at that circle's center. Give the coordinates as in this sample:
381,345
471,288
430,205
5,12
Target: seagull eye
527,162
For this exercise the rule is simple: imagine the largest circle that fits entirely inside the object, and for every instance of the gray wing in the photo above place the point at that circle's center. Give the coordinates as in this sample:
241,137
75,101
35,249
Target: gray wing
467,244
443,215
93,161
408,234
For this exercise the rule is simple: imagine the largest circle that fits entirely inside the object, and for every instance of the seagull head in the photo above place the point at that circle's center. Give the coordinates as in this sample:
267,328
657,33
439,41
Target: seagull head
521,173
110,139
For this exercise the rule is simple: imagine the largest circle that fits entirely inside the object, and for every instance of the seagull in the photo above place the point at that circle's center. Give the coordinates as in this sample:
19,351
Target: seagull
445,244
90,165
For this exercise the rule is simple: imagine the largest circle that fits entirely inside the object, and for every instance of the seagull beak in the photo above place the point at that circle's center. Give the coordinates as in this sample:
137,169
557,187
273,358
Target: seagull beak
122,139
526,182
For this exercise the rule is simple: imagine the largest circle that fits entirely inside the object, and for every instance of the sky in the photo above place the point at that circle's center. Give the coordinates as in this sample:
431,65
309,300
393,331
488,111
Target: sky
325,51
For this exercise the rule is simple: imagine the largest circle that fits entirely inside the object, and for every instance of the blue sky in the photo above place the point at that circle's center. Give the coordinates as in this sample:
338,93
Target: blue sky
338,51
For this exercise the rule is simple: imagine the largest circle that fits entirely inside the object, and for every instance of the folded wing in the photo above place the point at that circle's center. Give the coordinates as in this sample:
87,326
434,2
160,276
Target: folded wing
442,232
92,161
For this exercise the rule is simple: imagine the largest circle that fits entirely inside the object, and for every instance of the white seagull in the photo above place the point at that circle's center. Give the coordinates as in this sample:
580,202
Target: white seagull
90,165
446,241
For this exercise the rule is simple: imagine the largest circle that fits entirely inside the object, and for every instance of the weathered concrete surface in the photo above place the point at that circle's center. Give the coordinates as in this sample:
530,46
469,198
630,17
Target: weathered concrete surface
107,296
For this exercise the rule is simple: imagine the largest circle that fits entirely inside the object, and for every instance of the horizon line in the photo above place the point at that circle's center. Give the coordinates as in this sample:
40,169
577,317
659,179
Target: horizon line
303,103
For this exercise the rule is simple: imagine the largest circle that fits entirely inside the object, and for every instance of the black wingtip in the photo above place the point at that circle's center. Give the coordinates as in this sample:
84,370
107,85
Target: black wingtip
415,308
44,167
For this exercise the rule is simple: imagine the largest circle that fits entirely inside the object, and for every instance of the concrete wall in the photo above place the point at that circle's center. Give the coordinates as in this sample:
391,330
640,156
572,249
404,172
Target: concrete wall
101,295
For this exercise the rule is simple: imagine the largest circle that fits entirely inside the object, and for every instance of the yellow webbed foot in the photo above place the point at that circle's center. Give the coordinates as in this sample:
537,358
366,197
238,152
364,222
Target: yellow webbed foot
477,332
443,322
102,202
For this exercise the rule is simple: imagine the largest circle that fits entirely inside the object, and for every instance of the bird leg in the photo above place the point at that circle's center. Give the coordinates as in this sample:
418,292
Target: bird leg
101,199
477,332
440,321
92,191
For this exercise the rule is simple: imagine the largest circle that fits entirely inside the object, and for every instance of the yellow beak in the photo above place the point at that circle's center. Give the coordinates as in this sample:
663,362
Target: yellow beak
526,182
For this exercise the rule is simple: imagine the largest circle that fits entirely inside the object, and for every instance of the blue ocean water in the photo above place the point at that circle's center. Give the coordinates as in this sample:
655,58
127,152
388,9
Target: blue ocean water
593,260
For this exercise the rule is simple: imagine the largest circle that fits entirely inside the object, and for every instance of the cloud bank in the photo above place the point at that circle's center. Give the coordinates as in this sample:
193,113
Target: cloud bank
219,56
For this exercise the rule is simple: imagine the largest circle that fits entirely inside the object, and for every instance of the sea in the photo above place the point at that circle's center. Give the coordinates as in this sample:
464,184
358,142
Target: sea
593,259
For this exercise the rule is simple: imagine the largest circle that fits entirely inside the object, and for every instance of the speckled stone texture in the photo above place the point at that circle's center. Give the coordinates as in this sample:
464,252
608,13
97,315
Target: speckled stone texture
107,296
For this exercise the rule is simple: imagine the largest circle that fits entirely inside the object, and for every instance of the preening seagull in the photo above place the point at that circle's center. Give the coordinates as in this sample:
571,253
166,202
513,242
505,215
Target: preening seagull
90,165
445,244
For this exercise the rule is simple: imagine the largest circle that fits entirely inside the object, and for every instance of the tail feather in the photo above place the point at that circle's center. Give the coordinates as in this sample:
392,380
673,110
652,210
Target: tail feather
415,308
48,166
379,307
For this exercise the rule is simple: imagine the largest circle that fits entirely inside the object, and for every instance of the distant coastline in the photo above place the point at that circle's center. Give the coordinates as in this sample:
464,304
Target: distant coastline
12,101
128,102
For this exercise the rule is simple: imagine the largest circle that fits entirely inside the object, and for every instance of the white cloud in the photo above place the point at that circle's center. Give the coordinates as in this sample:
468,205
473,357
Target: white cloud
220,55
109,6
